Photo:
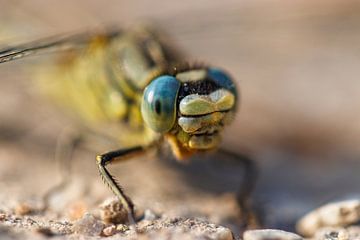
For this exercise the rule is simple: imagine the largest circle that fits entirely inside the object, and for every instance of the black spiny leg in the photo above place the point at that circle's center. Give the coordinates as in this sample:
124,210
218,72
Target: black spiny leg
113,157
246,188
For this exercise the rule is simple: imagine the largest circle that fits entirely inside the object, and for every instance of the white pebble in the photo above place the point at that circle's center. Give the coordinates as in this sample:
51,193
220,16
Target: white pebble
112,211
332,234
88,225
270,234
338,214
149,215
109,231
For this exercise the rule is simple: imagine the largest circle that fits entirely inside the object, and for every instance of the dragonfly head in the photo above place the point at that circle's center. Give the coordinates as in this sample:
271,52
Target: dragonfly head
190,108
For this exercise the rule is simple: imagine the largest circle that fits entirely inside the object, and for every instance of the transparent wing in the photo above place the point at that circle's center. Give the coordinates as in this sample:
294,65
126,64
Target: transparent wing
52,44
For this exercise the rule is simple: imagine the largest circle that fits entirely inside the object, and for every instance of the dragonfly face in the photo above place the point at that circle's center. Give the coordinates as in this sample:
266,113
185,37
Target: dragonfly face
190,108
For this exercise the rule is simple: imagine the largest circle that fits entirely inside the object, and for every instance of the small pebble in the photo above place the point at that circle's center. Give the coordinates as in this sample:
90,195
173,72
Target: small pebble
354,232
150,215
338,214
109,231
112,211
23,209
88,225
76,210
223,234
270,234
47,232
2,216
332,234
143,224
122,228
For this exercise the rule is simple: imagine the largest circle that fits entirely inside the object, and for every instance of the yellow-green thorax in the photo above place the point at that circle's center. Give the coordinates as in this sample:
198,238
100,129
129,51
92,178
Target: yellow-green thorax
101,84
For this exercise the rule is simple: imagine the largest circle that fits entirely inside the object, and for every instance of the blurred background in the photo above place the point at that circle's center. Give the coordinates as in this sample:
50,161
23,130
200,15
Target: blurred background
296,63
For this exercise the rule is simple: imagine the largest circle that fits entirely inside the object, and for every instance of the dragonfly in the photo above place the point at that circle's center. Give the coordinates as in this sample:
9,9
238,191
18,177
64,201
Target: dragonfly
144,91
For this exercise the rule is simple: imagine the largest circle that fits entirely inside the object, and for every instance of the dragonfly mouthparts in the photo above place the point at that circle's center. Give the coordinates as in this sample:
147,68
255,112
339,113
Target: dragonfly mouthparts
202,117
217,101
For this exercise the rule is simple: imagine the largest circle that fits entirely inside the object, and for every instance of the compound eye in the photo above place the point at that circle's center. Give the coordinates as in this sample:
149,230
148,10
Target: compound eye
222,80
158,107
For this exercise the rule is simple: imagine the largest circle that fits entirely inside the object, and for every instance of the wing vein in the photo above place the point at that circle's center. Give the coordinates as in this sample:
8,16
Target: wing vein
51,44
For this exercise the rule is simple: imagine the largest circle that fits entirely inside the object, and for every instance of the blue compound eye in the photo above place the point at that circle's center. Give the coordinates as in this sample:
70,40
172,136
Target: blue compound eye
222,80
158,107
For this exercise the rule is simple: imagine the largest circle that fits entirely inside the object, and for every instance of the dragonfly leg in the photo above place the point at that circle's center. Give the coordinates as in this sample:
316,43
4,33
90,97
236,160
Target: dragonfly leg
246,188
113,157
67,142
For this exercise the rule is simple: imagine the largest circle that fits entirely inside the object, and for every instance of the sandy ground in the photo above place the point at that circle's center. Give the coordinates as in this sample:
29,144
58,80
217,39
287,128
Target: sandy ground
296,64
